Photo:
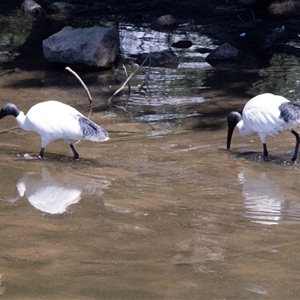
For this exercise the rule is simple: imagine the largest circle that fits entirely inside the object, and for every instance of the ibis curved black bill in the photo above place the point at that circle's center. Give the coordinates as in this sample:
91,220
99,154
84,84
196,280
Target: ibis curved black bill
233,118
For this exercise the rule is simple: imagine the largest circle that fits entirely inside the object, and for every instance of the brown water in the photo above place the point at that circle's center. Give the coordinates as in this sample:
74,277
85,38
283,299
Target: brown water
160,211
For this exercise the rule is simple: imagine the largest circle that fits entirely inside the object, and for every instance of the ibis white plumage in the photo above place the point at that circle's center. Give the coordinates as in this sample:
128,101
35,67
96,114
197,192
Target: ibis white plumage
266,115
54,120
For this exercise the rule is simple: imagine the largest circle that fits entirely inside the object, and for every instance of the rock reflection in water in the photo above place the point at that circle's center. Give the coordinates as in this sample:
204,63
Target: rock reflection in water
54,196
264,202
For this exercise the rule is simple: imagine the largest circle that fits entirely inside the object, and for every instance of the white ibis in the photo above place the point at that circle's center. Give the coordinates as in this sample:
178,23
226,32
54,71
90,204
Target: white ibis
266,115
54,120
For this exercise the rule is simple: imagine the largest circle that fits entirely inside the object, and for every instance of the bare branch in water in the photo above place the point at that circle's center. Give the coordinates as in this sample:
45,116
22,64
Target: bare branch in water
82,83
119,89
126,73
146,79
126,81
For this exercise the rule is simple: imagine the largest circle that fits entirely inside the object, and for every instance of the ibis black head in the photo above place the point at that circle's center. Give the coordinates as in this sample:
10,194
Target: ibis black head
233,118
9,109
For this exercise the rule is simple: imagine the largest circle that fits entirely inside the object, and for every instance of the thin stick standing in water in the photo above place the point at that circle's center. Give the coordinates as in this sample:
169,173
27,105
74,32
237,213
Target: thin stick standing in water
146,79
86,89
82,83
126,81
126,73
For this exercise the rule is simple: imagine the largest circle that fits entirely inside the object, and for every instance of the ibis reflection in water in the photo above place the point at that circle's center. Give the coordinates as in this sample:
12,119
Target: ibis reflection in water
54,120
54,196
266,115
264,200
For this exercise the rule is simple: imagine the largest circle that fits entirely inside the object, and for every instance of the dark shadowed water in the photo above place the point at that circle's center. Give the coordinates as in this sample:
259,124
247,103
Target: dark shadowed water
160,211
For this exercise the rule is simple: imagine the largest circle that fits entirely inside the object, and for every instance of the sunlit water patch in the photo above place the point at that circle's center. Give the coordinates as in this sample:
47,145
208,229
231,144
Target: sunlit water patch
136,40
164,93
166,96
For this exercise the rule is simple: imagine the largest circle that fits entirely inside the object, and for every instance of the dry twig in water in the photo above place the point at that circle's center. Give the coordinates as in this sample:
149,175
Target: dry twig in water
86,89
82,83
126,81
146,79
117,91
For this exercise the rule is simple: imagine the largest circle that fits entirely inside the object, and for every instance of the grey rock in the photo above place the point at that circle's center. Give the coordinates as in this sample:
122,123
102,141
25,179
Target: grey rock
31,8
95,46
225,52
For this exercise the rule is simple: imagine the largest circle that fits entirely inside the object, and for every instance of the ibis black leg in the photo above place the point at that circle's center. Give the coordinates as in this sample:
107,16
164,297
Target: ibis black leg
76,155
297,144
41,155
265,150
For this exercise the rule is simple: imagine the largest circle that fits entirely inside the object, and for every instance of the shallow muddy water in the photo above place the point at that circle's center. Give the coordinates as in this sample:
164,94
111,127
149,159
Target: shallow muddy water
160,211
